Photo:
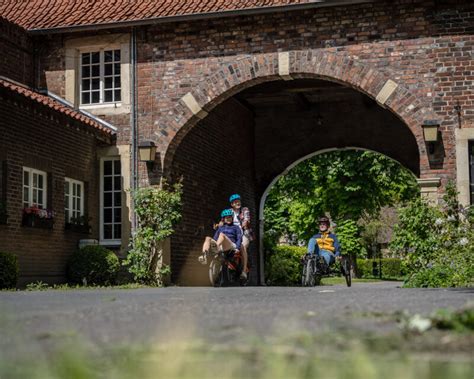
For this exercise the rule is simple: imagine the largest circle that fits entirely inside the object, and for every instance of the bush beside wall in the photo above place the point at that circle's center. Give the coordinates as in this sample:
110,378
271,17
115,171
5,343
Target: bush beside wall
283,265
8,270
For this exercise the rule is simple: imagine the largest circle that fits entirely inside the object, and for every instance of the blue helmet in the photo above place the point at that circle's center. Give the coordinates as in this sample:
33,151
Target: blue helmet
234,197
227,212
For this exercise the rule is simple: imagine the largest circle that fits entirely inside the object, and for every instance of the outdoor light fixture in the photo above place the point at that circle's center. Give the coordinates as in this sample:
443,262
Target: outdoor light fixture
147,151
430,130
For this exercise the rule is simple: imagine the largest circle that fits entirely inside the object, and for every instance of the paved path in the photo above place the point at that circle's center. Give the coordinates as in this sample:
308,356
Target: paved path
105,317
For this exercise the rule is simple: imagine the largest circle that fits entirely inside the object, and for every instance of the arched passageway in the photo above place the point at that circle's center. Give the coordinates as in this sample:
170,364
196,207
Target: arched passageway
248,140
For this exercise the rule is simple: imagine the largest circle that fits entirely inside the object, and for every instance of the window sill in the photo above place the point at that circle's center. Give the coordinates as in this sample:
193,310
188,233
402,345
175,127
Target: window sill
114,243
106,109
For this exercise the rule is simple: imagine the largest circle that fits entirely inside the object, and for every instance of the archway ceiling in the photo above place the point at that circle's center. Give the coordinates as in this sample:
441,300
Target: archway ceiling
304,94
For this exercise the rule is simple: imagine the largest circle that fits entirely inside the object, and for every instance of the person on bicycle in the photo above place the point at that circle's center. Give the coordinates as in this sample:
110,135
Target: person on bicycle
325,244
227,237
242,219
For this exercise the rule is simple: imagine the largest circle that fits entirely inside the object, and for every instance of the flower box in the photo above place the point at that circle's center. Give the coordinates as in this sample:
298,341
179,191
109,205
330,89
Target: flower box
34,221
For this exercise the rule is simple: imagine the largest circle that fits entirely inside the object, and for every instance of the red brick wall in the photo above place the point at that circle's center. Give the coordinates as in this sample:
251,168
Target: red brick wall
42,139
215,160
17,51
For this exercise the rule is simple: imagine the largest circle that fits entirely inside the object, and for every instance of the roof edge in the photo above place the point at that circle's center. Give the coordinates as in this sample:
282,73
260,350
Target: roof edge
197,16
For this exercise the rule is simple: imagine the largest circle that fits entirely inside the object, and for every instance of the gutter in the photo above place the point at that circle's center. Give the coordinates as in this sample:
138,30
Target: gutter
199,16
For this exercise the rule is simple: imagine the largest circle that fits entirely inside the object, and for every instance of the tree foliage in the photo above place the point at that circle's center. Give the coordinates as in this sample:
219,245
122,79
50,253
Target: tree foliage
344,184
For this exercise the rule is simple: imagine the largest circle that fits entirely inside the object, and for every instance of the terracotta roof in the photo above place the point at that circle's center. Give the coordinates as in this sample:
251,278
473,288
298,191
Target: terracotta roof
56,105
45,14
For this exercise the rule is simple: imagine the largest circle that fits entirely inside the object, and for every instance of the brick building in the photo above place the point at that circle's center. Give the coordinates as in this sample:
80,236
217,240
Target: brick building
272,81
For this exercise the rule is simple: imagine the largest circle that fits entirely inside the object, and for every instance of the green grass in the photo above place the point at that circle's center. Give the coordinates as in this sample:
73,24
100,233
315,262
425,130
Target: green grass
333,280
297,358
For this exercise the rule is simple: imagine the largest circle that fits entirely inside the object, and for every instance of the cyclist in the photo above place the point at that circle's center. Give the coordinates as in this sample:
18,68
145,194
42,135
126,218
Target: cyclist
242,220
227,237
325,244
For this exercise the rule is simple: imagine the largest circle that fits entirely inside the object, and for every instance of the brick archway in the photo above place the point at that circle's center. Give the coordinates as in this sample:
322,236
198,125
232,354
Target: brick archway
328,64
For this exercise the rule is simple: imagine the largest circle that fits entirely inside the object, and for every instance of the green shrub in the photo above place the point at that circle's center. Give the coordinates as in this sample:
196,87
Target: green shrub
438,243
284,265
392,268
8,270
93,265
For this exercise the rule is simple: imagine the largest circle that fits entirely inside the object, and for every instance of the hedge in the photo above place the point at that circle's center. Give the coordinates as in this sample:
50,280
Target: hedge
283,265
8,270
392,268
93,265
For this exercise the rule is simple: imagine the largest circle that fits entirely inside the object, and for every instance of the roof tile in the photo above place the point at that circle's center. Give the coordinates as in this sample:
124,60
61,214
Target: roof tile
45,14
54,104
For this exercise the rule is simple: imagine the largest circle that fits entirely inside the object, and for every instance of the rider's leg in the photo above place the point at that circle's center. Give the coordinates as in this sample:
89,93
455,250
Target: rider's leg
225,243
328,257
244,249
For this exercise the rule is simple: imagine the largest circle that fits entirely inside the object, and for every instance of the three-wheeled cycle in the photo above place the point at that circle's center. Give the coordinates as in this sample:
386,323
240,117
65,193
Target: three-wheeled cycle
315,268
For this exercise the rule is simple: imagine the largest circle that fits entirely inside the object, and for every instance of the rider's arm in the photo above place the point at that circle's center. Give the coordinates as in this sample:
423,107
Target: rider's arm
216,234
238,241
337,246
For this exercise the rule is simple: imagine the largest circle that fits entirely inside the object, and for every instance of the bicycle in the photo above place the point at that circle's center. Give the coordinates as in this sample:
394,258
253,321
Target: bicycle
315,268
225,268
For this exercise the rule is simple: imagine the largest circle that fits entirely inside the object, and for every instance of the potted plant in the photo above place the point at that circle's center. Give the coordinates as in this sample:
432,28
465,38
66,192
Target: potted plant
36,217
79,224
3,213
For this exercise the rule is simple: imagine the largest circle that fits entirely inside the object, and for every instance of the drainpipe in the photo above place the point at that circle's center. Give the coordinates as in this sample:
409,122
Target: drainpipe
133,123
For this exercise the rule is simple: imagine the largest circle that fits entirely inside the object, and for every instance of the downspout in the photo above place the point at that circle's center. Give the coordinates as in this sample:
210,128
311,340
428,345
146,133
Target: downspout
133,124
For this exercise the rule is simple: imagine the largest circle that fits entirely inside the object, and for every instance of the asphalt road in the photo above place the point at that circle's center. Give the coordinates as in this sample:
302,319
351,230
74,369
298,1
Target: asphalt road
140,316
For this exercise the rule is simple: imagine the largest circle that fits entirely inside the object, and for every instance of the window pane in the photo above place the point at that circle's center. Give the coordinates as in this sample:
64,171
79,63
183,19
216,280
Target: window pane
117,82
86,84
117,55
79,190
108,56
108,215
66,215
117,183
95,97
35,180
26,195
107,167
108,96
117,231
108,69
108,83
95,57
108,199
108,232
26,178
35,197
40,197
108,183
117,95
40,181
96,83
117,68
96,70
86,98
117,167
86,71
86,58
117,199
117,214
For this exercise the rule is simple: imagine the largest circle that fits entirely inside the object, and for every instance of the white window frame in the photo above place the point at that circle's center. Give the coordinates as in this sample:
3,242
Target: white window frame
71,182
102,63
73,81
31,172
102,240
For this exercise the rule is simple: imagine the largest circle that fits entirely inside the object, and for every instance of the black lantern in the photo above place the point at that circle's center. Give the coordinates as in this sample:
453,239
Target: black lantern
147,151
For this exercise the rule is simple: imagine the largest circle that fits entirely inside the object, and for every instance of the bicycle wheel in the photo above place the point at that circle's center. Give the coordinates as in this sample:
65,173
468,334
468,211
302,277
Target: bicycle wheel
303,275
310,271
215,268
346,270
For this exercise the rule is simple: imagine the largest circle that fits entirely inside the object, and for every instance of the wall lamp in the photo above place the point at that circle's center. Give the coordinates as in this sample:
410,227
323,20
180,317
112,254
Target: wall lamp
147,151
430,133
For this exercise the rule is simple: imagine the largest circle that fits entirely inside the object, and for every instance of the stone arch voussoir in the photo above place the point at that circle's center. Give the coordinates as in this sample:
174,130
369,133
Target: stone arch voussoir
329,64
